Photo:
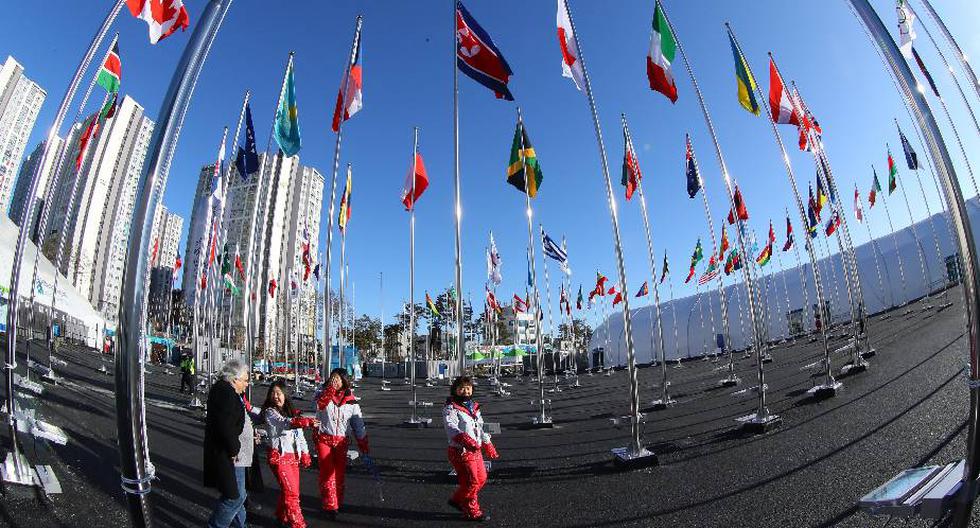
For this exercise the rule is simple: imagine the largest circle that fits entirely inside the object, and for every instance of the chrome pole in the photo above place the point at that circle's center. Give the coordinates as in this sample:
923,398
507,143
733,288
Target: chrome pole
130,408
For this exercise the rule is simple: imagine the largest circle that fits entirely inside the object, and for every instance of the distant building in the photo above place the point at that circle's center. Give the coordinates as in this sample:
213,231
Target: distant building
20,102
22,187
167,228
290,202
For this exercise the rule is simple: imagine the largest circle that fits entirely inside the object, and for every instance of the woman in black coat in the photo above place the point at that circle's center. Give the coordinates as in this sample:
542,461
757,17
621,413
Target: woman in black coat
223,445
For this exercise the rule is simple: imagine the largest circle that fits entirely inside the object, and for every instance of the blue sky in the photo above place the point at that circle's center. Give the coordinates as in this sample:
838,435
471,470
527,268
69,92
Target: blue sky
408,67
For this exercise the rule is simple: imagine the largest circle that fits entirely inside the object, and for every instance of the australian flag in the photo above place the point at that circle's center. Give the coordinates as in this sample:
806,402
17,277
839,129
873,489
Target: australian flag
478,57
693,180
247,160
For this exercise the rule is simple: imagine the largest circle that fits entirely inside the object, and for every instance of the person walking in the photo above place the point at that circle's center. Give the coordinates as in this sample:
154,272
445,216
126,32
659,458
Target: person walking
287,451
229,442
187,374
338,412
467,443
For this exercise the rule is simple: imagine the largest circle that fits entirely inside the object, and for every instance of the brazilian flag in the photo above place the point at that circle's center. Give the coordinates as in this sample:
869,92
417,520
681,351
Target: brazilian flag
524,163
287,118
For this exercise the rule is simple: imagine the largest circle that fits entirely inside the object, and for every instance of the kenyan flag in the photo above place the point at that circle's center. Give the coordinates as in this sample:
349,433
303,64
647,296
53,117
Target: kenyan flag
111,72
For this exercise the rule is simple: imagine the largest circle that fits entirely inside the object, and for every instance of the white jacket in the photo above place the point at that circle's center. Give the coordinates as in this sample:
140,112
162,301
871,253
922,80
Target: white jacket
459,420
337,420
283,436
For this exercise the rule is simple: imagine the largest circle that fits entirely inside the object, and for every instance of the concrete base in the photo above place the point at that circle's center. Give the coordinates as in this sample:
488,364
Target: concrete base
869,353
767,358
659,405
756,424
13,472
825,390
730,381
195,403
417,423
624,459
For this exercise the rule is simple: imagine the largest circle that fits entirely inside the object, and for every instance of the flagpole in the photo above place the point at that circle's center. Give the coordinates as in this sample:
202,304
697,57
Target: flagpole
965,241
414,420
762,418
381,297
898,254
665,399
224,228
918,248
551,319
830,385
458,211
935,235
135,466
542,420
253,276
327,348
635,449
704,344
803,282
875,251
783,272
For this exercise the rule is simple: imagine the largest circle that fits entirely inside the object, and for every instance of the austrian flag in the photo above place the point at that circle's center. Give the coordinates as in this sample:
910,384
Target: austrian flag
163,17
780,103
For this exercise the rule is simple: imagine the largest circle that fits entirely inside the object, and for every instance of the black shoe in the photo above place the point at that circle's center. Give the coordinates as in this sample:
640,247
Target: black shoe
454,505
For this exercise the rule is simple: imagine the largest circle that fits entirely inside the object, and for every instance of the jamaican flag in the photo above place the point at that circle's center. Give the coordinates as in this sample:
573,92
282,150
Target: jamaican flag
524,163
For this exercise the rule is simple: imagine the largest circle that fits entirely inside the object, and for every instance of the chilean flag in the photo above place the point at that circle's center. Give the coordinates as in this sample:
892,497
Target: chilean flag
478,57
350,103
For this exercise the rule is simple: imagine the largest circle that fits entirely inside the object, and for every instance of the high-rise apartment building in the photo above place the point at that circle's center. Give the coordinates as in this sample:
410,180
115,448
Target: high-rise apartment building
20,102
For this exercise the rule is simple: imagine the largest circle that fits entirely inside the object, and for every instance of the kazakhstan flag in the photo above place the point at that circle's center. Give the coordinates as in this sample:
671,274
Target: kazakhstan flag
746,83
287,119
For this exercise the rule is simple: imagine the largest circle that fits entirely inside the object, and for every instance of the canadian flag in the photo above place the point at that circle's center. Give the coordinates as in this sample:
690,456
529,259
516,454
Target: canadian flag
784,112
571,58
163,17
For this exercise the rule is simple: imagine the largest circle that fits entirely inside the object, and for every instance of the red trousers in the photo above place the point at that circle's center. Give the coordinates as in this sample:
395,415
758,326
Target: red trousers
286,471
472,476
332,452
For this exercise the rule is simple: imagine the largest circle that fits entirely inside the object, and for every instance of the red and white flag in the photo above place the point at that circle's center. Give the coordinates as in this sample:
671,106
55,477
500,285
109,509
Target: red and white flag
858,212
783,110
163,17
350,103
177,265
415,183
571,62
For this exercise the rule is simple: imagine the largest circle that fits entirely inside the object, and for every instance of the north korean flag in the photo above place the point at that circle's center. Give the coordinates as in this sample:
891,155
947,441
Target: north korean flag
478,57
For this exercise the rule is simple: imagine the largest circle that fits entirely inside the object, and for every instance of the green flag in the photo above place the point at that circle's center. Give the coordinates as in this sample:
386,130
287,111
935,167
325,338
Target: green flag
287,119
524,163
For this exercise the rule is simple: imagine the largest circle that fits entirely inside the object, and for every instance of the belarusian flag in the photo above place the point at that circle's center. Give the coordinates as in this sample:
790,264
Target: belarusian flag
163,17
663,49
892,174
631,167
780,103
111,72
524,163
875,188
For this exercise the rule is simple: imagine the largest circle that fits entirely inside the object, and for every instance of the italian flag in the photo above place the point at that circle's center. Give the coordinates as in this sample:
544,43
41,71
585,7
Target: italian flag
111,72
663,49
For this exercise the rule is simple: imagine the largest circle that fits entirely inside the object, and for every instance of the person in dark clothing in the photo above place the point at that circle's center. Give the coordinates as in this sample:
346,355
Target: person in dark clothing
228,445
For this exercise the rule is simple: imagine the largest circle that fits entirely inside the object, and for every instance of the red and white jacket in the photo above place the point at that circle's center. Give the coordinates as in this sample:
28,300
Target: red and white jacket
464,427
339,413
285,435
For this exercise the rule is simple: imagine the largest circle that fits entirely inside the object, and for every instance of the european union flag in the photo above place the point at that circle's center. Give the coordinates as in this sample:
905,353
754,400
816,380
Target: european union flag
287,119
247,160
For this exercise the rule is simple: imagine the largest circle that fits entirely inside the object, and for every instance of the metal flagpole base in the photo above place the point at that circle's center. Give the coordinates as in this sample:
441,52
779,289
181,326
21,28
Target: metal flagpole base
195,403
825,390
624,458
730,381
542,422
759,424
944,305
868,353
17,470
385,388
661,404
767,358
417,423
855,367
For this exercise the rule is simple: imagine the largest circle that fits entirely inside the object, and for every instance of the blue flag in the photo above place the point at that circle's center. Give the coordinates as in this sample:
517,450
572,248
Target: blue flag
287,119
247,160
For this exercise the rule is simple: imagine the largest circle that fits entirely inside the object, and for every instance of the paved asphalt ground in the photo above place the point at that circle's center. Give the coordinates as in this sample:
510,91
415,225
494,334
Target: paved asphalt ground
909,408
